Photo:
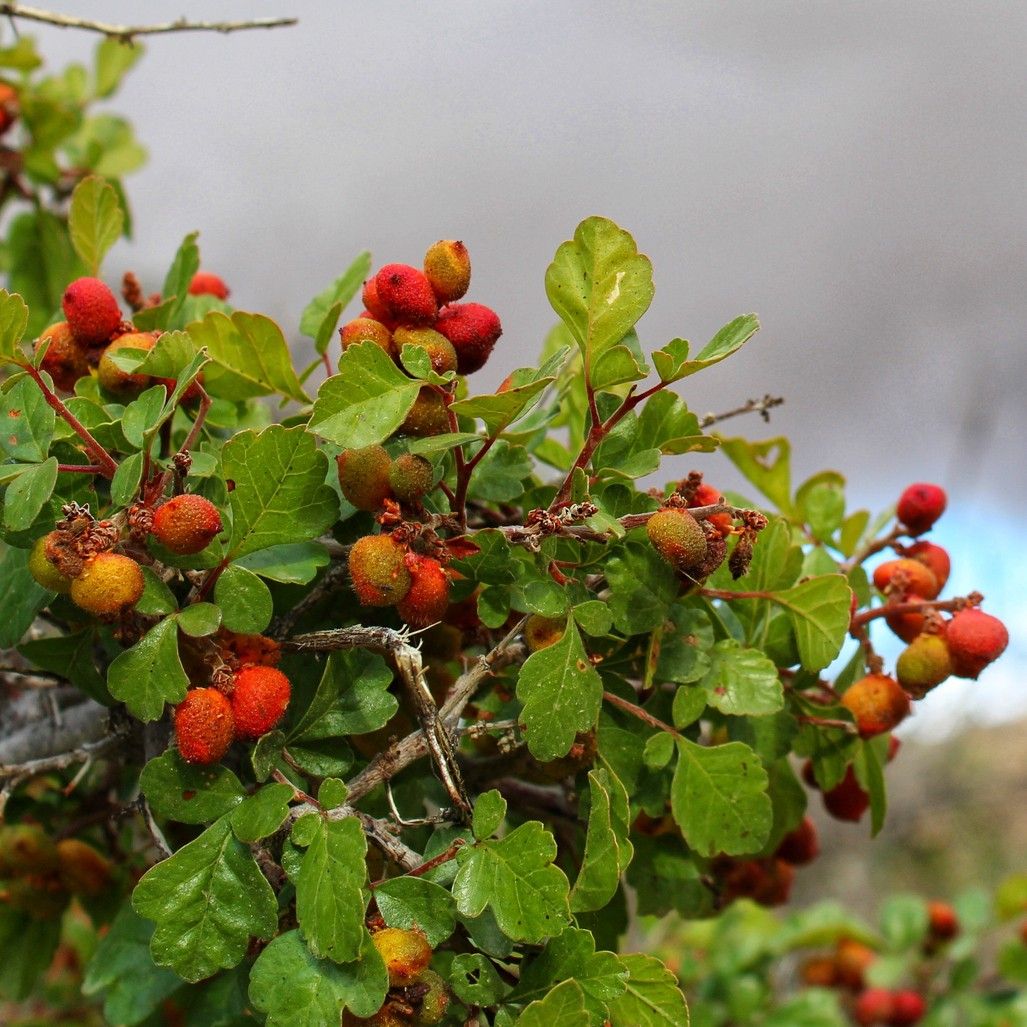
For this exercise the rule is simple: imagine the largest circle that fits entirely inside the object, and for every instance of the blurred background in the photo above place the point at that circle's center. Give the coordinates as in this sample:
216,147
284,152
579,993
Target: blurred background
851,171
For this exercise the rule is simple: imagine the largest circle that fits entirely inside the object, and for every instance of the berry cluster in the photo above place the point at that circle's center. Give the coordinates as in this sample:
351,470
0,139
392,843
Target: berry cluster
694,547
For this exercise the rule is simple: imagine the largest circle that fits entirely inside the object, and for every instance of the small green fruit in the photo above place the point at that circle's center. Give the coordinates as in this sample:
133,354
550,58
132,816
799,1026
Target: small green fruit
676,535
924,664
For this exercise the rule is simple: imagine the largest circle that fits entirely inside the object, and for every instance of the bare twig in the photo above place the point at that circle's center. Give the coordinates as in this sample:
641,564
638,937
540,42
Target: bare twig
752,406
127,33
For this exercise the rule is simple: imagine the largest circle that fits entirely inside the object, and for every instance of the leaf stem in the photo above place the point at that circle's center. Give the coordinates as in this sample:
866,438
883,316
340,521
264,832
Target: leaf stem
637,711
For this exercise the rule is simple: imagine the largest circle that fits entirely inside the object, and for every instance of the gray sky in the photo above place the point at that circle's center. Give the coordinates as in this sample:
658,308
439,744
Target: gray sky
854,172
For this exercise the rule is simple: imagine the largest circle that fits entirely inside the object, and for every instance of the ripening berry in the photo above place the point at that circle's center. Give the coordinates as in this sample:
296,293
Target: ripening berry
204,726
375,309
428,597
124,384
428,415
908,1007
65,360
378,570
473,329
819,972
847,800
924,664
92,311
447,266
920,506
874,1006
108,585
942,922
406,954
906,577
878,704
675,534
245,650
707,495
436,999
9,106
364,477
405,295
411,477
204,283
26,849
83,870
933,557
260,698
852,959
45,573
186,524
439,349
975,639
800,846
542,632
367,329
906,625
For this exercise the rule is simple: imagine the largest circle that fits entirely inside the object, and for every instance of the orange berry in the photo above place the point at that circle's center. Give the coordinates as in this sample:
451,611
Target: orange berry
205,283
406,954
108,585
259,701
82,869
852,959
675,534
878,704
447,266
933,557
125,384
65,360
905,625
366,329
378,570
473,329
204,726
186,524
92,311
942,921
405,295
975,639
428,597
905,577
920,505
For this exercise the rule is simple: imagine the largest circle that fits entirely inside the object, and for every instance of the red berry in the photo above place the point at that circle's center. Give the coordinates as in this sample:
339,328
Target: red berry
204,726
906,577
92,311
428,598
405,294
186,524
975,639
907,1008
473,330
259,701
9,106
847,800
942,921
874,1006
933,557
800,846
920,506
65,359
878,704
205,283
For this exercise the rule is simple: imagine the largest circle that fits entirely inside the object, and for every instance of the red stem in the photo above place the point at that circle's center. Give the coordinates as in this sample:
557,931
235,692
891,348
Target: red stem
637,711
431,864
917,606
80,468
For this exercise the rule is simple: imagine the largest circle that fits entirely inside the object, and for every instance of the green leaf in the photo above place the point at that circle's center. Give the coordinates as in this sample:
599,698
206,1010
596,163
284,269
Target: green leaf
330,900
28,494
296,989
26,422
742,682
672,361
642,588
719,798
184,266
95,220
142,413
126,480
341,291
475,981
280,495
608,850
413,902
171,356
157,599
500,410
564,1006
69,655
366,401
262,813
652,997
819,612
295,564
29,946
499,476
114,59
561,692
150,674
188,793
684,646
766,464
200,619
250,355
599,285
21,597
122,970
489,813
515,878
245,601
870,775
207,901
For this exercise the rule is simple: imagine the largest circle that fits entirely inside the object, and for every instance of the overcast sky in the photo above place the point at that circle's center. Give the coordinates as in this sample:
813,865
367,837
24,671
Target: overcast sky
854,172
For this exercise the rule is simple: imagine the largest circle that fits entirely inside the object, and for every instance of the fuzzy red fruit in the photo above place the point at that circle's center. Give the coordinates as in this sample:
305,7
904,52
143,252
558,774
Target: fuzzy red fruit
92,311
906,577
874,1006
920,506
186,524
205,283
800,846
428,598
933,557
908,1008
878,704
259,701
906,625
975,639
707,495
942,922
65,359
204,726
9,107
405,294
378,570
473,330
847,800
